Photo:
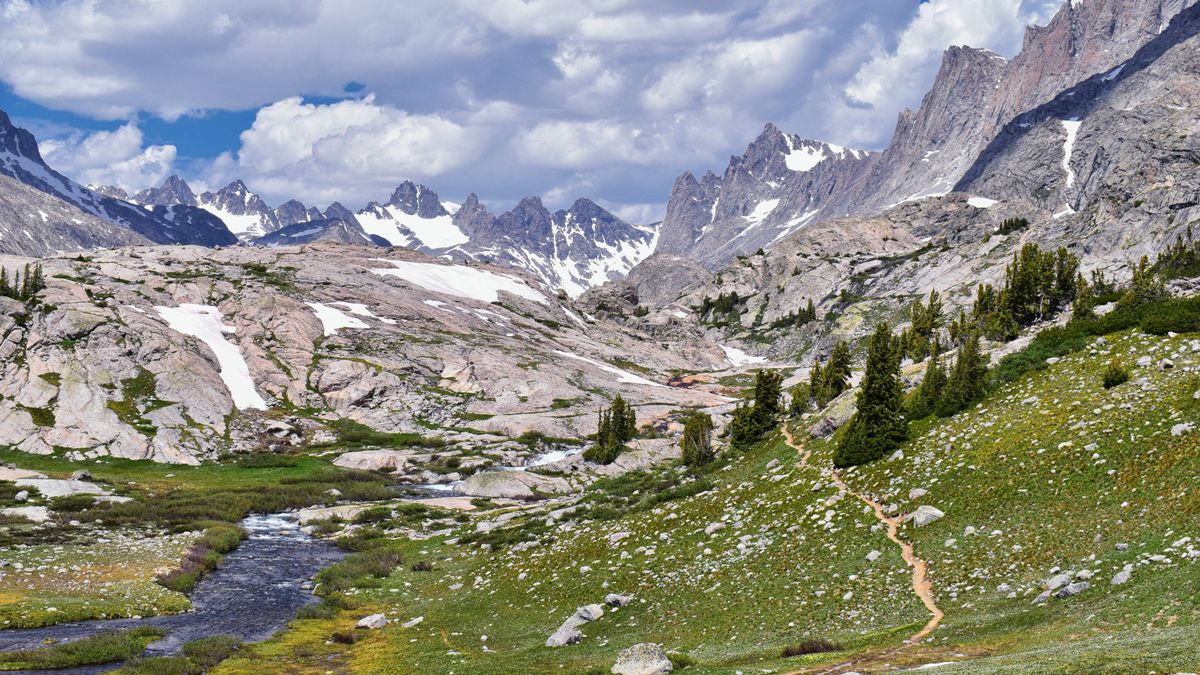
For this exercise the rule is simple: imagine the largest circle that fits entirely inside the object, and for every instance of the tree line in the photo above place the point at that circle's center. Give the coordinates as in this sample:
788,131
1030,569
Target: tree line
22,287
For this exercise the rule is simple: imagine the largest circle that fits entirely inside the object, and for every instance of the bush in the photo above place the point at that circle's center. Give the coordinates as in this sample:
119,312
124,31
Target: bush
94,650
422,566
1114,375
813,646
208,652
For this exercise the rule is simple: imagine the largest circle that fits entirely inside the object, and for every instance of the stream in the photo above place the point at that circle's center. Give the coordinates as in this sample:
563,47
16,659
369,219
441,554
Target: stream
253,593
420,491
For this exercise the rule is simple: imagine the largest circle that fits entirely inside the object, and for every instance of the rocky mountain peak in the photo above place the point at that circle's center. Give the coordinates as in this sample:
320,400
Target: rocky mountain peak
417,200
337,211
174,190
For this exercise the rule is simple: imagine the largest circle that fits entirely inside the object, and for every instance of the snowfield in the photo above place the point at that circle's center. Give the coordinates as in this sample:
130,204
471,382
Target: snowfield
403,229
461,281
205,324
333,319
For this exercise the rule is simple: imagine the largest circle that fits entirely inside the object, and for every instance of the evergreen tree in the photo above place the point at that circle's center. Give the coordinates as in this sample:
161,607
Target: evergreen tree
926,320
751,420
925,398
968,380
697,439
880,425
616,426
743,426
801,394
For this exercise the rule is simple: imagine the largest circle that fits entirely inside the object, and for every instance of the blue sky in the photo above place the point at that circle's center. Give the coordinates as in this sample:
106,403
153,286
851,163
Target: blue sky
326,100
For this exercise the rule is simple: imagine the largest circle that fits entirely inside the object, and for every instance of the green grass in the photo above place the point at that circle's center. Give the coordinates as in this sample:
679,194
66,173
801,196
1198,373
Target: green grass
102,648
790,564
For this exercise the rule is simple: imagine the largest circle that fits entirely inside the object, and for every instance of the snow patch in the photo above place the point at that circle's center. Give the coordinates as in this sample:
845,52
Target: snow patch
623,376
461,281
333,319
1072,129
740,358
205,323
362,310
981,202
761,211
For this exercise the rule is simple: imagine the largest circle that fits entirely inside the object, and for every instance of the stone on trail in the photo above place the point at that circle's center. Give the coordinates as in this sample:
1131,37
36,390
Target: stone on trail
642,659
373,622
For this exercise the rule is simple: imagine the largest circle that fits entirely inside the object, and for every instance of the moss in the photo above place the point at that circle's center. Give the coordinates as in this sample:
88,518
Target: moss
139,397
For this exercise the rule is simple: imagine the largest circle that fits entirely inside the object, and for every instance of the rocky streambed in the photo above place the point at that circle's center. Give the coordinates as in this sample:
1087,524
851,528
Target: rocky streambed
258,588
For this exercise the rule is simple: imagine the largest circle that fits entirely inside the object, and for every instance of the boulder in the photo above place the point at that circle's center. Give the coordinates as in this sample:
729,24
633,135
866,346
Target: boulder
1057,581
590,612
376,460
642,659
514,485
925,515
917,493
617,600
82,474
1121,577
565,635
50,487
37,514
373,622
1072,589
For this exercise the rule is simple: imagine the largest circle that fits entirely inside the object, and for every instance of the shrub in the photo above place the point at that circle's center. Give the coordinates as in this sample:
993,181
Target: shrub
208,652
422,566
812,646
94,650
1114,375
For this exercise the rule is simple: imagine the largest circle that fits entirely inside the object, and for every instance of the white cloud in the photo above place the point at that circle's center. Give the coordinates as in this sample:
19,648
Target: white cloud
351,148
110,158
730,71
579,145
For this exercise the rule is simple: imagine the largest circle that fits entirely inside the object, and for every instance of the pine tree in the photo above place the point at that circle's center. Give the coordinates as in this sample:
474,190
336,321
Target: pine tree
926,396
616,426
880,425
743,426
697,439
768,399
968,380
801,397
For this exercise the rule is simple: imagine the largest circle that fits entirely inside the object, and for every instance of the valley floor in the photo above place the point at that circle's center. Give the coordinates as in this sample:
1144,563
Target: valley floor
1051,475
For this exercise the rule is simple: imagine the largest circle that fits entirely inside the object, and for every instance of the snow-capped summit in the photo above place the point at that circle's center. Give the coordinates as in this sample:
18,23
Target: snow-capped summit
21,160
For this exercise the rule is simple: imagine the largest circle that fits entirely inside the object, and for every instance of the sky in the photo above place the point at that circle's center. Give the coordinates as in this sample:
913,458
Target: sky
324,100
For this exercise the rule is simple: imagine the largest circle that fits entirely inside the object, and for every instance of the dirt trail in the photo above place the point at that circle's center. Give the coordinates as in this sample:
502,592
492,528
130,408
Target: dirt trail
921,585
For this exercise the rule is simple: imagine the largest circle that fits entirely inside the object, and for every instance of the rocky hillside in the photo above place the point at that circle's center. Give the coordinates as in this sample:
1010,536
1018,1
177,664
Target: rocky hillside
183,353
966,118
21,160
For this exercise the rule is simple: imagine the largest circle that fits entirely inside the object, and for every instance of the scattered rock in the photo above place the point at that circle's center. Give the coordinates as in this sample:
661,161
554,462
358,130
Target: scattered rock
873,556
714,527
412,622
373,622
82,474
1121,577
642,659
1058,581
1182,428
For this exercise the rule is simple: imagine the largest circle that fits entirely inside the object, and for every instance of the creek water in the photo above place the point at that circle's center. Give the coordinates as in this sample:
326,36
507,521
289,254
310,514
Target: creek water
255,591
